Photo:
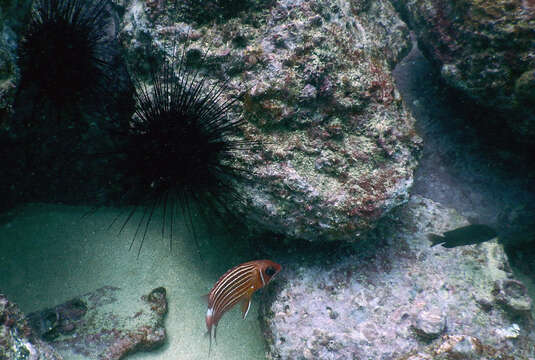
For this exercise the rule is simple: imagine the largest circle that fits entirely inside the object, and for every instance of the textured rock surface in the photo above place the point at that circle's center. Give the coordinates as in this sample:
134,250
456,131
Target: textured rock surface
17,339
103,324
459,347
394,300
340,148
7,71
12,13
485,49
519,238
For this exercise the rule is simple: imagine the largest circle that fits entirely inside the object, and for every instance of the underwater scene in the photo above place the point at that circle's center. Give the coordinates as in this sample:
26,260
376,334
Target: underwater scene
276,179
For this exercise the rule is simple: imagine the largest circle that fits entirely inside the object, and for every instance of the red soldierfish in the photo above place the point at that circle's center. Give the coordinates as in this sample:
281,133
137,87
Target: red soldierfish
237,284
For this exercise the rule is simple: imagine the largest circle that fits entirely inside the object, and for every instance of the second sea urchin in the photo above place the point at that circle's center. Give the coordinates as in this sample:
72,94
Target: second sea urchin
72,84
62,55
60,51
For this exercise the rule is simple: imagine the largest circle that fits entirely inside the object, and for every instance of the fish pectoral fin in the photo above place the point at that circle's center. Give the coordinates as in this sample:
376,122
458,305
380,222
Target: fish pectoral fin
245,305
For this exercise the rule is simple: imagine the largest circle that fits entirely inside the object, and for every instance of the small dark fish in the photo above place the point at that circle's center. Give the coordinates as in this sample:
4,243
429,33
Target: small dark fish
237,284
466,235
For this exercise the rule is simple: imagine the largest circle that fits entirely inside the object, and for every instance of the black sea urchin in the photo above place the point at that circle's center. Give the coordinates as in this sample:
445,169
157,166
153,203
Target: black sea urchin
61,56
69,79
179,149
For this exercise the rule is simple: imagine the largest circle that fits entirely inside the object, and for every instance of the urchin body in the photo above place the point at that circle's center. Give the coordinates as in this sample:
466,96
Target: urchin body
61,55
178,151
60,95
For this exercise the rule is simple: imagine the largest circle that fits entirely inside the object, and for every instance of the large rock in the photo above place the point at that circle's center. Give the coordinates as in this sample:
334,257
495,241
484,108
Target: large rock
461,347
12,18
17,339
11,14
339,146
485,49
103,324
395,298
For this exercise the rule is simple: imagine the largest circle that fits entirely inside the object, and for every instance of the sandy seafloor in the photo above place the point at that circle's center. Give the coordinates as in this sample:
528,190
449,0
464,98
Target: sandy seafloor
52,253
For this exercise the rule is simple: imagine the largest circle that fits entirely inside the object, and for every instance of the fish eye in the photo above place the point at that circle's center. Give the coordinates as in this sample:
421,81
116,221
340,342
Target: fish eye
270,271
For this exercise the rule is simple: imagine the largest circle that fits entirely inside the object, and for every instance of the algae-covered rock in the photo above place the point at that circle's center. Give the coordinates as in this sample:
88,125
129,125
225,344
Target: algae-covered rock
459,347
17,339
339,148
13,17
9,19
104,324
485,49
394,299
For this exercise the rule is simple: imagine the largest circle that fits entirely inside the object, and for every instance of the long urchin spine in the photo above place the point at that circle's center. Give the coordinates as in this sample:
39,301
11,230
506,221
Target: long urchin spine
61,54
180,147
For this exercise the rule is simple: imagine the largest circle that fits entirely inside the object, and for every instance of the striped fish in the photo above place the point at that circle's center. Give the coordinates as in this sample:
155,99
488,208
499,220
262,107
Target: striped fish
237,284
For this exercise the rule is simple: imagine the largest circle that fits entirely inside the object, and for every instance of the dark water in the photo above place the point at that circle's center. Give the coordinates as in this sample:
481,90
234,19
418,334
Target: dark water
470,165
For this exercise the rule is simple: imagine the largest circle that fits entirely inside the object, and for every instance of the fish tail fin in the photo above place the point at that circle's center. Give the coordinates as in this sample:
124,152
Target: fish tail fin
435,239
210,325
209,334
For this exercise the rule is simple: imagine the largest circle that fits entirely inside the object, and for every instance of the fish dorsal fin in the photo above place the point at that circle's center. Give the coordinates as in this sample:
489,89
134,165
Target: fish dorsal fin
245,305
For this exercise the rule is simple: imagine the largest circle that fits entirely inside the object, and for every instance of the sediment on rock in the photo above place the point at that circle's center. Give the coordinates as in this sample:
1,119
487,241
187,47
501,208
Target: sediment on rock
103,324
400,296
17,338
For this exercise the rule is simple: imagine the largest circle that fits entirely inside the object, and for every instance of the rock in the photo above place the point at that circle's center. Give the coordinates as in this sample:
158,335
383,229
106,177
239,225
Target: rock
513,295
485,50
17,339
460,346
339,146
464,347
512,332
103,324
7,75
10,16
386,293
519,237
430,324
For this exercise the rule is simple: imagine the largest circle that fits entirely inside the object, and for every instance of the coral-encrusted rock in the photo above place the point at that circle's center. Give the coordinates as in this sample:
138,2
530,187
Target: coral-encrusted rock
12,16
393,300
17,340
459,347
339,146
7,70
430,324
485,49
463,347
104,324
513,295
